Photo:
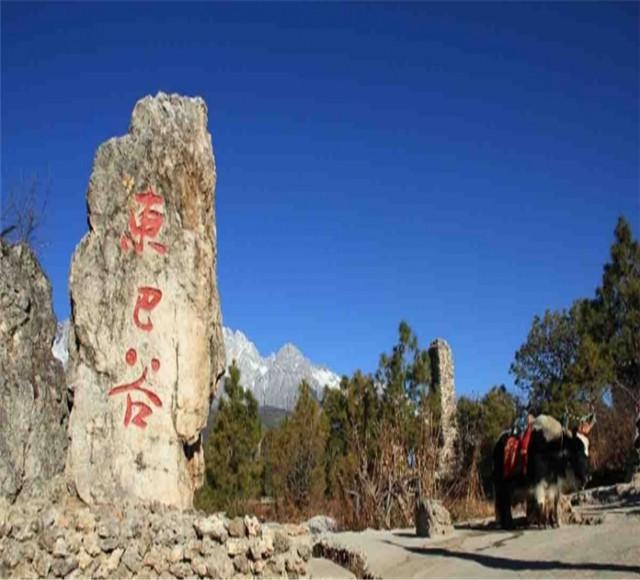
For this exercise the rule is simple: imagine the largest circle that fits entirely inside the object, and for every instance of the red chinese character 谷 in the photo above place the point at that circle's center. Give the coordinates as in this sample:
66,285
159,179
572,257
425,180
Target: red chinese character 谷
143,409
148,299
145,224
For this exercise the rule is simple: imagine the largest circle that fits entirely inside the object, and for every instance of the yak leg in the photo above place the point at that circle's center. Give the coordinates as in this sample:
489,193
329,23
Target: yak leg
503,506
555,501
540,499
532,512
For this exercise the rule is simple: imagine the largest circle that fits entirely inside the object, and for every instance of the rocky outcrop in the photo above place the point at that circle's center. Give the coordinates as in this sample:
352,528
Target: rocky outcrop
33,396
442,371
432,519
146,339
58,536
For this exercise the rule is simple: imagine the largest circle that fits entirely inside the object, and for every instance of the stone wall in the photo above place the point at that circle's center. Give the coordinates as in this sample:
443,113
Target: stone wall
34,405
442,371
59,536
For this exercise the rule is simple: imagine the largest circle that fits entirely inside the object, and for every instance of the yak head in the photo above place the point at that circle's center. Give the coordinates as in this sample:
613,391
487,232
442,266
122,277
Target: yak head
577,455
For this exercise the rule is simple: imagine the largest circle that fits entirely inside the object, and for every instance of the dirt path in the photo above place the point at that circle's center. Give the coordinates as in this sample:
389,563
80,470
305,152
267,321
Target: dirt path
610,549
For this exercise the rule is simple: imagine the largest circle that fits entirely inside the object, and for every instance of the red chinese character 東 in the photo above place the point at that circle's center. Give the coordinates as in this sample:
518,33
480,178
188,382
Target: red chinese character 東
146,224
143,409
148,299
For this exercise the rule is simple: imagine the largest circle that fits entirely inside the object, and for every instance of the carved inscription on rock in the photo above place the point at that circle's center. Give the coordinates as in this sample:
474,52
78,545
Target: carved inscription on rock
146,347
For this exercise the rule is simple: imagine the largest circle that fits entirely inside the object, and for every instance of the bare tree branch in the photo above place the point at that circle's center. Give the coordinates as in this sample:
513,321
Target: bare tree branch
23,210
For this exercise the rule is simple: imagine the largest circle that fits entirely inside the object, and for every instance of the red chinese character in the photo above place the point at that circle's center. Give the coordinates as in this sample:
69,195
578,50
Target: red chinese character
143,410
146,224
148,299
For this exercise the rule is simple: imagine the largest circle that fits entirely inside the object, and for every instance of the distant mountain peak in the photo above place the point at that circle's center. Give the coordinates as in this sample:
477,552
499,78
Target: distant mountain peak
274,379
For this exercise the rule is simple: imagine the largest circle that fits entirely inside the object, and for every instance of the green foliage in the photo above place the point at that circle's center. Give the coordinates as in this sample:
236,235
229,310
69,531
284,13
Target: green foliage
480,423
296,458
543,362
572,358
271,417
617,305
382,436
499,408
405,372
405,375
233,469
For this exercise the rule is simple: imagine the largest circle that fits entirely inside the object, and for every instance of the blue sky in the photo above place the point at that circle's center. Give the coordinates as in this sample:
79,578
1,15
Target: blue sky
460,166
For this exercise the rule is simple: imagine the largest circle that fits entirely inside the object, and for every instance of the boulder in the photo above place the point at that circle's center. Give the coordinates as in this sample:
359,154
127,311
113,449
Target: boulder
146,347
432,519
34,405
320,524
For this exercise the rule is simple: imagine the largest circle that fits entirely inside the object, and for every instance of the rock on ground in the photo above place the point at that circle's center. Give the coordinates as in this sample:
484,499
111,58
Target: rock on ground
320,524
146,339
432,519
33,396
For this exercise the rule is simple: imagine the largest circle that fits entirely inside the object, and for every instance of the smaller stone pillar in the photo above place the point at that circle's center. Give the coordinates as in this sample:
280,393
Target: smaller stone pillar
442,371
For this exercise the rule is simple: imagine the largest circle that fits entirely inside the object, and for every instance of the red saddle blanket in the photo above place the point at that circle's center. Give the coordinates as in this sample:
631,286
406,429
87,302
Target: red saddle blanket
516,451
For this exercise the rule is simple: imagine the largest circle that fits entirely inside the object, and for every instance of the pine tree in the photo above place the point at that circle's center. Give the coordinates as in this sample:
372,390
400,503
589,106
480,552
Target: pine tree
617,305
297,455
233,469
572,358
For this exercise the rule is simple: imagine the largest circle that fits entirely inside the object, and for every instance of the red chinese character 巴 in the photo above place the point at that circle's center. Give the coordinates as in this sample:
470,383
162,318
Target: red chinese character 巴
148,299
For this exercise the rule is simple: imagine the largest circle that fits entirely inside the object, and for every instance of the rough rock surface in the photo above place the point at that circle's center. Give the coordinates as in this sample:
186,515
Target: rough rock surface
56,535
345,556
146,312
432,519
442,371
33,396
621,492
320,524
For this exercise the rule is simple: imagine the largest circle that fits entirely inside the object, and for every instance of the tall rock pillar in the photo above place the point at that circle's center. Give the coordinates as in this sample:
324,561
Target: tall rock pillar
146,346
33,396
442,371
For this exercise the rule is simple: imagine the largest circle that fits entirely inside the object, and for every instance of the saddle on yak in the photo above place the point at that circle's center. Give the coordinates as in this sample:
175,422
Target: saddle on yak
516,451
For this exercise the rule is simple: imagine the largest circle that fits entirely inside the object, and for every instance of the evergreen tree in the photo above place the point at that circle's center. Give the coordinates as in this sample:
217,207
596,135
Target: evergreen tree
542,363
297,455
334,406
572,358
233,469
617,305
480,423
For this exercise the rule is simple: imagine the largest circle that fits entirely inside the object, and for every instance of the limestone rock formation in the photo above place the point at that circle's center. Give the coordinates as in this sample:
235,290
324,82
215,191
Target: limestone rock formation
321,524
432,519
33,396
442,371
146,340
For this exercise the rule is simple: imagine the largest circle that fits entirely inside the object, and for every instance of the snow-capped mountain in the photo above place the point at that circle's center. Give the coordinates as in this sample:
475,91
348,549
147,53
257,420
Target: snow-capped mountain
61,342
273,380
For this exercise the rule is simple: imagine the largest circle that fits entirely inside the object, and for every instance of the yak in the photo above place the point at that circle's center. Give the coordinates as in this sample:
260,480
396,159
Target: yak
536,468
